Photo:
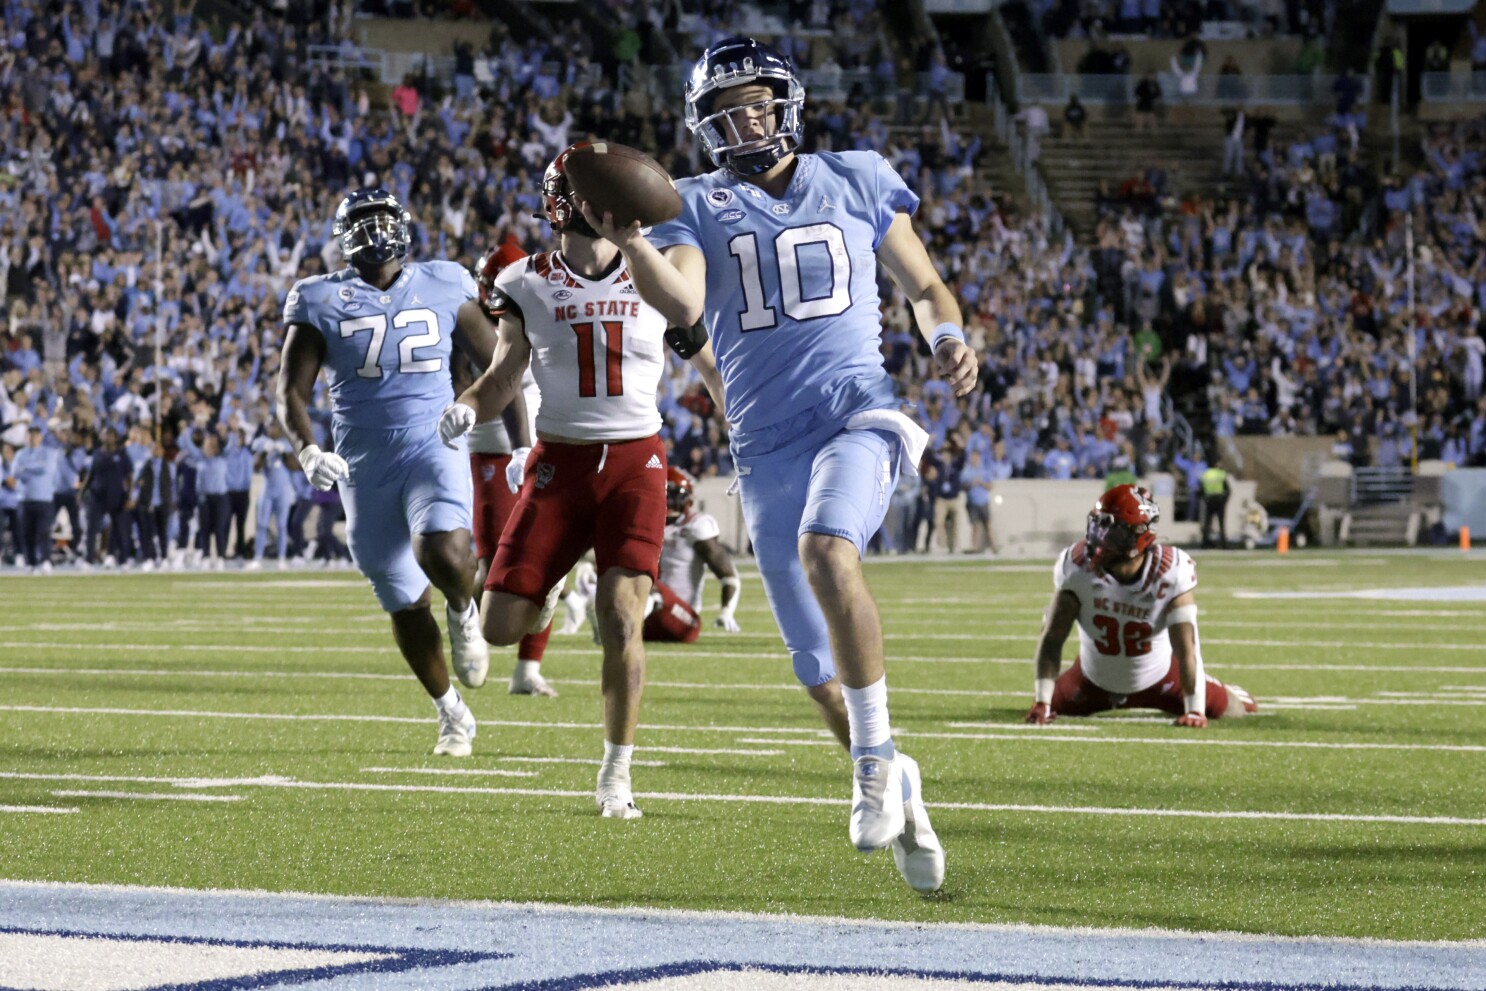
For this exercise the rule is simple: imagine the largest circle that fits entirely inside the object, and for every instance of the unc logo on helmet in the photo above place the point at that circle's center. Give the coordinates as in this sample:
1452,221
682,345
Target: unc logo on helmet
373,228
740,62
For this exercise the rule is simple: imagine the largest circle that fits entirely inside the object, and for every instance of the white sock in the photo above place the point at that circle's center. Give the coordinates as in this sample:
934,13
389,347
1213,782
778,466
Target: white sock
527,671
618,753
463,614
449,701
866,713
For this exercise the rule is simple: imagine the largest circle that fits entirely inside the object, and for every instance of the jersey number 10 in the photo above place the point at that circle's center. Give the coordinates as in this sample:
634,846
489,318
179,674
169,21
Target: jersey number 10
788,244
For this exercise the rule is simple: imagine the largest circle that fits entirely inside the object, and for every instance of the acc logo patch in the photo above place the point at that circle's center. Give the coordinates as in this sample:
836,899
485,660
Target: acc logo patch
720,197
545,471
563,294
353,306
729,216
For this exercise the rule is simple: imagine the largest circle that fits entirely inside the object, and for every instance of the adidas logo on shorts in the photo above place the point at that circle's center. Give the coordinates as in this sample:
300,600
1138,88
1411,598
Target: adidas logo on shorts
654,462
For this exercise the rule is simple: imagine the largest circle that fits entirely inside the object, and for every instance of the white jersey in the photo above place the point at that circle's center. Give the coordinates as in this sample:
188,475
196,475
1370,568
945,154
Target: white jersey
1123,643
491,437
681,567
598,350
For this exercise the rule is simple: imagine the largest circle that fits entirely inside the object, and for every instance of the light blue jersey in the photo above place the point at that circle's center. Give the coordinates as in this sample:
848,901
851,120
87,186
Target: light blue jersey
792,305
796,323
386,352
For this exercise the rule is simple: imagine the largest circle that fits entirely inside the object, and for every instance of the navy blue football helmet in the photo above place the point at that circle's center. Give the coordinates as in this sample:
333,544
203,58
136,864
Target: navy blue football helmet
739,62
373,227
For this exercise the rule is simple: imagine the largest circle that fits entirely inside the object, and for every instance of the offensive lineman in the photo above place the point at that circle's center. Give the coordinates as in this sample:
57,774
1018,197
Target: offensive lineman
597,475
383,331
1137,624
778,253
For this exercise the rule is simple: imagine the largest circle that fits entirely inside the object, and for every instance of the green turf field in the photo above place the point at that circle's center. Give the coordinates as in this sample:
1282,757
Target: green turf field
292,750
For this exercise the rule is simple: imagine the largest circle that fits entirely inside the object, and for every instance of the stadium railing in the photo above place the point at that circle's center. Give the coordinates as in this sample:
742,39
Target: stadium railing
1212,90
1447,87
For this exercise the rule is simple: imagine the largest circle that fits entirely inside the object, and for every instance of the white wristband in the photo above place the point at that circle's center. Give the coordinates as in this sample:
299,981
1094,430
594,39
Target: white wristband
1197,701
1043,690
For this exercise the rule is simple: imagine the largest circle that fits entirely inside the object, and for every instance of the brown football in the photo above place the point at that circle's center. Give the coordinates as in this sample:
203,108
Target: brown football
624,182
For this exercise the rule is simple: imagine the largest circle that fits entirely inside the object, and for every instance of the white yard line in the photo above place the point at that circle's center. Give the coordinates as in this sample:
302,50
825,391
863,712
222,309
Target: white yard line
489,772
356,786
749,733
147,796
42,809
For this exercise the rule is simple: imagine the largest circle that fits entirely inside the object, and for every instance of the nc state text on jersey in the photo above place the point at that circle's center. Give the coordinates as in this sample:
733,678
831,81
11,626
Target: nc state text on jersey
1121,609
598,308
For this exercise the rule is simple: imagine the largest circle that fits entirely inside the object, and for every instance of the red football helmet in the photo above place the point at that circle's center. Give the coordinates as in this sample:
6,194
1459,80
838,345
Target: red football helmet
557,192
1122,525
679,488
490,265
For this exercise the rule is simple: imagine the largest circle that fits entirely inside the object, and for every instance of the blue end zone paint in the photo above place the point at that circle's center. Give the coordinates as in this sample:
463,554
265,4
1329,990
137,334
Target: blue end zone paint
404,958
585,982
451,946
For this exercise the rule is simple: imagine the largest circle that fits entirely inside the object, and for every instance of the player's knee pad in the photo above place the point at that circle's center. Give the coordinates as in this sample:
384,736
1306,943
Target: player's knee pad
813,667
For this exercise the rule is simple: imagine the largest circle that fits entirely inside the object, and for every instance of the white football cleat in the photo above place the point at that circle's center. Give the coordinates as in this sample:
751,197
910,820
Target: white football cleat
530,684
253,565
283,564
876,803
573,613
469,652
1246,704
549,608
917,851
614,798
456,730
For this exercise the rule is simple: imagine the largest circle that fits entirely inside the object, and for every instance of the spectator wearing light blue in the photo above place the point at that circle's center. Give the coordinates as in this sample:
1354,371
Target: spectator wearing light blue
10,503
1060,463
213,508
272,453
72,461
239,483
977,479
35,471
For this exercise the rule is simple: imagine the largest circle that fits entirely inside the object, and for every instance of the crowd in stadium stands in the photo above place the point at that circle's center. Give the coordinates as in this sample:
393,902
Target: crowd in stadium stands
1182,18
163,182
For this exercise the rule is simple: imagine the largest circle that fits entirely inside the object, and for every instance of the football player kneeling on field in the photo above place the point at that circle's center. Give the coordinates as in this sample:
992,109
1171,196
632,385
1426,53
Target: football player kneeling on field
1137,624
693,543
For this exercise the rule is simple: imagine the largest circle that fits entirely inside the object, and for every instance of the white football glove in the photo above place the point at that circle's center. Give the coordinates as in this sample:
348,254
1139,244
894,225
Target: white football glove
516,470
321,468
456,422
725,621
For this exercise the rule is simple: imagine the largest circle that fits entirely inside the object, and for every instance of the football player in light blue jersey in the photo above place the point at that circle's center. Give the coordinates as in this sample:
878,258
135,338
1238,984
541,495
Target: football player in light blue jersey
787,247
383,332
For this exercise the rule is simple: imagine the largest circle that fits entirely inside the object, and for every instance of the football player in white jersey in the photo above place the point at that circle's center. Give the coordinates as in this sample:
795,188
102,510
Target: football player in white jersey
597,475
492,444
693,546
1137,624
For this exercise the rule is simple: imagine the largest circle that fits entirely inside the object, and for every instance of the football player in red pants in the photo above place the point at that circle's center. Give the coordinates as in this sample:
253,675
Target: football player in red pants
693,543
491,445
597,475
1137,624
